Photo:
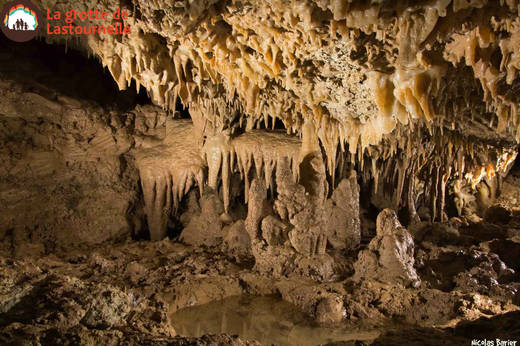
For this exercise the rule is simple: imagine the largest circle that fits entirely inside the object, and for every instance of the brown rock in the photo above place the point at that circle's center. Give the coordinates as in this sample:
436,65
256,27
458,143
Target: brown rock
390,255
330,310
342,222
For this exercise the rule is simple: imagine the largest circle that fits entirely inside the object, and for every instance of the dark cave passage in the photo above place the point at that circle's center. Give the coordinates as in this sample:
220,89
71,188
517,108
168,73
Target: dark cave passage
68,72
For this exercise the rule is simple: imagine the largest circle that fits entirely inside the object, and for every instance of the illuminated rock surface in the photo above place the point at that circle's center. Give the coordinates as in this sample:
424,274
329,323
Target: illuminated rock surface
355,158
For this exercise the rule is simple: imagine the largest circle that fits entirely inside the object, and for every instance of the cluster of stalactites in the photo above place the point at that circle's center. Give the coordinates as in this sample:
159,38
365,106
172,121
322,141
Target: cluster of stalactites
171,168
259,149
260,62
243,62
420,160
227,69
477,48
168,170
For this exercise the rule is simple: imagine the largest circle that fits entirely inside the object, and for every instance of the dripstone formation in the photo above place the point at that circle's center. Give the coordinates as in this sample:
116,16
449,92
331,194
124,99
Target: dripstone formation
356,158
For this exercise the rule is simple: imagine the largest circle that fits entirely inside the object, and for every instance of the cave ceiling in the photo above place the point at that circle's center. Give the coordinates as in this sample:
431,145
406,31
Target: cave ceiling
398,88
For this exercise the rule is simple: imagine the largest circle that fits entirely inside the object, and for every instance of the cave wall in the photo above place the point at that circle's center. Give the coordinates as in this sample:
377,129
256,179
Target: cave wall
65,180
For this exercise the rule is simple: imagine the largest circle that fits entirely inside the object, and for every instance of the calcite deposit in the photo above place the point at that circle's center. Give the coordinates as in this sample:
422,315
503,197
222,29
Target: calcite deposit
357,159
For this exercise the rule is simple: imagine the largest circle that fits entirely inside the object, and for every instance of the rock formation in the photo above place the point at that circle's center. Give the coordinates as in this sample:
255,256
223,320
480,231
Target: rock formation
355,158
390,255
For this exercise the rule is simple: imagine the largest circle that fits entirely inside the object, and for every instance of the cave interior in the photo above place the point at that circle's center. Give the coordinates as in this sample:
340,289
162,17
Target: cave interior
337,172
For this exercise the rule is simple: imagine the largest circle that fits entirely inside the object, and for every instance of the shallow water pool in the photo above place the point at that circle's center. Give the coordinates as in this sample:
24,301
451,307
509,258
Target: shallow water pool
269,320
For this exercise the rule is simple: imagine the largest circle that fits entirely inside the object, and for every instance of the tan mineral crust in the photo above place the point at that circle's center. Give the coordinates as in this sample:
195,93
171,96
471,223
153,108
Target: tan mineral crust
356,159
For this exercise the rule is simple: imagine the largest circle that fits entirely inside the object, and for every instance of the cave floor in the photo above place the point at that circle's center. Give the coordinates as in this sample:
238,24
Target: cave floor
128,293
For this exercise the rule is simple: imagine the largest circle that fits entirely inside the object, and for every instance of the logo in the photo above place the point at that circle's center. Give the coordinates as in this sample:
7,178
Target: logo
20,20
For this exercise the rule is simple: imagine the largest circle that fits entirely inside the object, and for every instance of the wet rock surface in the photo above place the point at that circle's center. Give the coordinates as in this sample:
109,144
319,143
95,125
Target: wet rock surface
125,292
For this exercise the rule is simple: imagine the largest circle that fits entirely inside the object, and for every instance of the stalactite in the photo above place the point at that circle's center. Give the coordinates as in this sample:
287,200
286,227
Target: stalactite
386,93
258,149
167,172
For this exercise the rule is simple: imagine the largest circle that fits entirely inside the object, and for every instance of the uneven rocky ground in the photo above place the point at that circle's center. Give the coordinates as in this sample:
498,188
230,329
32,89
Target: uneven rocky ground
125,292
